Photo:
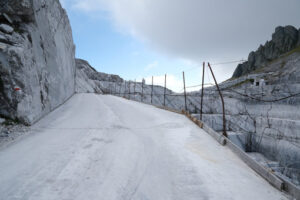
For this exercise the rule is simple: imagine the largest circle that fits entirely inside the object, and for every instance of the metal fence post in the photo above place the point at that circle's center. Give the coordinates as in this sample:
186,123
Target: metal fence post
129,90
142,96
152,90
134,88
202,91
125,90
165,90
184,91
222,99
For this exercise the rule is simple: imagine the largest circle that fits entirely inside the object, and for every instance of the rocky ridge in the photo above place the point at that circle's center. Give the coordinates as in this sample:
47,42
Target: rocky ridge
89,80
284,39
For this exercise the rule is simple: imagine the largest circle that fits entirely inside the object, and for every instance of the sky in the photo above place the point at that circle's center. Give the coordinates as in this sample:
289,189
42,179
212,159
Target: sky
143,38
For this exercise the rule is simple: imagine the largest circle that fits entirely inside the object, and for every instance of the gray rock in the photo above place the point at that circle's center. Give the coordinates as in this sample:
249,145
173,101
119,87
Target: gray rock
2,46
283,40
6,28
2,37
18,10
240,69
298,44
37,62
7,18
2,120
89,80
83,83
94,75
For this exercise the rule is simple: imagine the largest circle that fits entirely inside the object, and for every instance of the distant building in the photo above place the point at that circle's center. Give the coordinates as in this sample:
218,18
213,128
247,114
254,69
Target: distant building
260,82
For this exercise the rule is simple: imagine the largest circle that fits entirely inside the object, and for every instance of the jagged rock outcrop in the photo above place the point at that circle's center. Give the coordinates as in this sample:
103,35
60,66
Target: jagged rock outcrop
283,40
298,44
37,64
89,80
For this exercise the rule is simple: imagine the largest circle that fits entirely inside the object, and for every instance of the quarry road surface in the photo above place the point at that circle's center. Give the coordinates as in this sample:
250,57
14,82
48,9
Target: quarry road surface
97,147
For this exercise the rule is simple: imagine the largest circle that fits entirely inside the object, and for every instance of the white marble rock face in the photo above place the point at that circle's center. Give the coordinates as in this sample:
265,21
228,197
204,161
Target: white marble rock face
37,55
88,80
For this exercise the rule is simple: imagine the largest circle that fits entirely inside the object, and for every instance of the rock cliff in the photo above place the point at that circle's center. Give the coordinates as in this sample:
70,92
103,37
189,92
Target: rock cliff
88,80
37,64
283,40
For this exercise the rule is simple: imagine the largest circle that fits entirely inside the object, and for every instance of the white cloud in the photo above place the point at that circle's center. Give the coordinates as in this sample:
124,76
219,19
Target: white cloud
151,66
199,30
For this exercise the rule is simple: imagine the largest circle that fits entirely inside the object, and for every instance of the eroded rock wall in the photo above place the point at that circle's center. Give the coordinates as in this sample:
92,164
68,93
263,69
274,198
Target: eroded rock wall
37,64
284,39
88,80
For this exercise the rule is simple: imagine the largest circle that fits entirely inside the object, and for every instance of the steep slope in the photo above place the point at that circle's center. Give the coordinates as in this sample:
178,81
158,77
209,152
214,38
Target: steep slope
37,64
88,80
283,40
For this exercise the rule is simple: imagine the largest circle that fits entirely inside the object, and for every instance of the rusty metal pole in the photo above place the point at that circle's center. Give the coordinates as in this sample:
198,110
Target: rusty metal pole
165,90
222,99
202,91
129,90
184,91
124,95
142,96
134,88
152,90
